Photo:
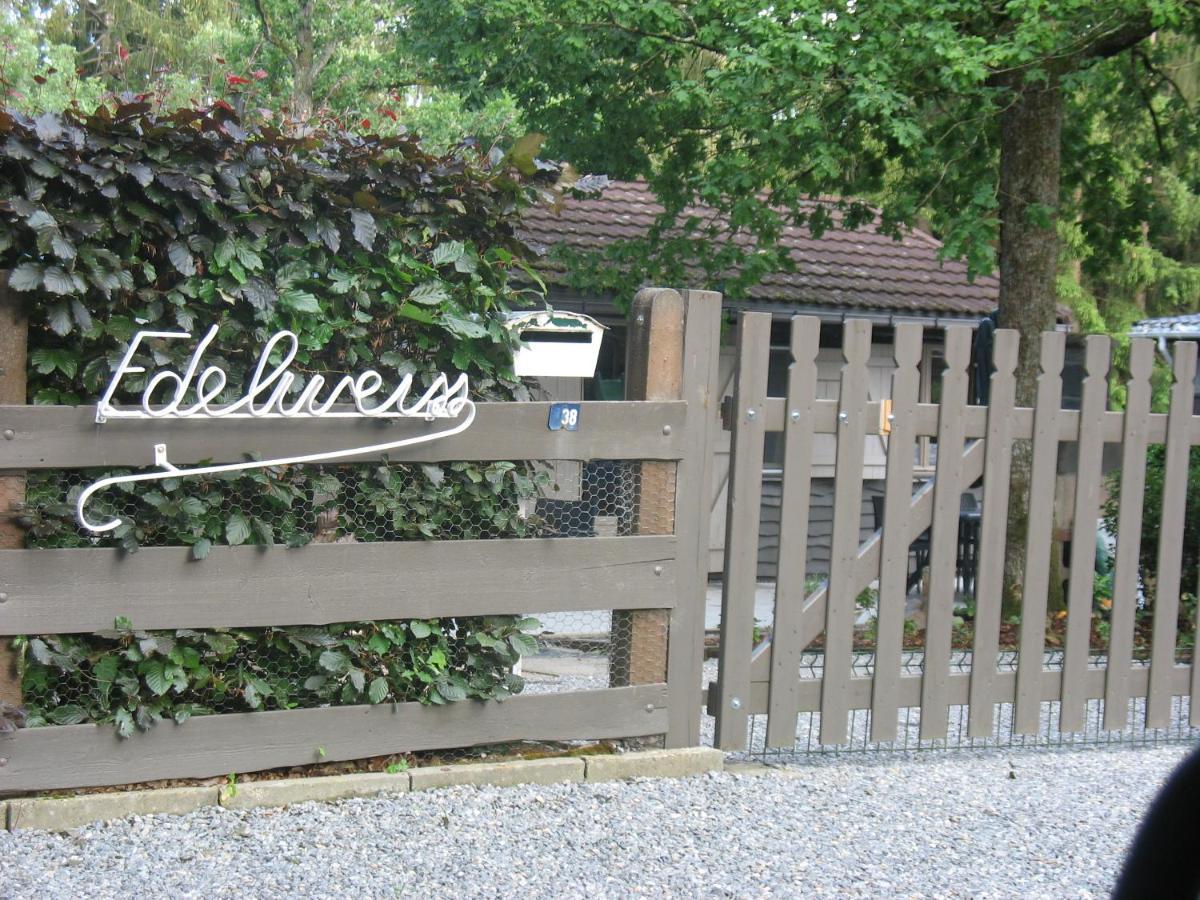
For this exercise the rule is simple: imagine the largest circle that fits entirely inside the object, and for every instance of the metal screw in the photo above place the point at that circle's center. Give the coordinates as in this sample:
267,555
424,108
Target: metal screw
843,417
3,762
736,703
649,707
666,429
795,415
9,434
3,596
658,570
751,413
891,417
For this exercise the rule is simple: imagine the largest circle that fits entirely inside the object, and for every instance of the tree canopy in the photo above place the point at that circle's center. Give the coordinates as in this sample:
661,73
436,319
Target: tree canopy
751,108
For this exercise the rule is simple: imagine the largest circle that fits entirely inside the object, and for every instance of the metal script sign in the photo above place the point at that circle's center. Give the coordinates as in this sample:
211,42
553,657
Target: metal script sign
270,394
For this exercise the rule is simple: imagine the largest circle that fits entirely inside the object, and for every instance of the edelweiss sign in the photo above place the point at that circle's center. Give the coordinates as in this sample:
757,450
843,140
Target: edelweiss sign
269,394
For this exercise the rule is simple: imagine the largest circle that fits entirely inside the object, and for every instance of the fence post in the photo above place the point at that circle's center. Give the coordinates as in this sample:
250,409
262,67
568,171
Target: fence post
653,371
14,335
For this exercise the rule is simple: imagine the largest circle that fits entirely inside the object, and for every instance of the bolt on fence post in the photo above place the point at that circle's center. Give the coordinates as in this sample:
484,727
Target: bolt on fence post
14,335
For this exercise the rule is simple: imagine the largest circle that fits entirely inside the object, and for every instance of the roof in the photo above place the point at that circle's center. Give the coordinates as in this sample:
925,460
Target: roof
1185,326
853,269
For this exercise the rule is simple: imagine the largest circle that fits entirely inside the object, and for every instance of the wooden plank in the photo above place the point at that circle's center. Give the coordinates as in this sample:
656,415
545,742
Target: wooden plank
989,583
653,371
1047,687
741,531
784,703
925,421
208,746
1170,537
14,340
1083,545
897,536
1129,535
1036,582
948,485
67,437
840,607
812,616
701,391
82,590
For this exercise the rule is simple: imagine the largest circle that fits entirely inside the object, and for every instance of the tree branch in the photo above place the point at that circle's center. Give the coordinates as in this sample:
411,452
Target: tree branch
267,32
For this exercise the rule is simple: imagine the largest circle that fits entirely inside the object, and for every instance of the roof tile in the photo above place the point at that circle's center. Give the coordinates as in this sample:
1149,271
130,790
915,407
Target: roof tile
845,268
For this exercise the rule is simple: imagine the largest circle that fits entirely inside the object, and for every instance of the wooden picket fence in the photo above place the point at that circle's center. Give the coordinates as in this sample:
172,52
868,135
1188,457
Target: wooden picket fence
974,443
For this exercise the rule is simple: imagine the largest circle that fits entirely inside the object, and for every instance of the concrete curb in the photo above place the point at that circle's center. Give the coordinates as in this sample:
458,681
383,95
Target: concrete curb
655,764
500,774
61,813
301,790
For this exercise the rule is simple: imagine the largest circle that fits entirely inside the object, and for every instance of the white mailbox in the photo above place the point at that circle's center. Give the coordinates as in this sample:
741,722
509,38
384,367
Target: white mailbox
556,343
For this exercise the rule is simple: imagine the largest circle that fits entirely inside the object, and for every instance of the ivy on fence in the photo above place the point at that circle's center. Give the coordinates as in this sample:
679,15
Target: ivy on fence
375,253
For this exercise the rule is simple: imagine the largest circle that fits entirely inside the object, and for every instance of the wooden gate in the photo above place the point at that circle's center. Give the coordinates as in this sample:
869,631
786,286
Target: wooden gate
1106,655
651,574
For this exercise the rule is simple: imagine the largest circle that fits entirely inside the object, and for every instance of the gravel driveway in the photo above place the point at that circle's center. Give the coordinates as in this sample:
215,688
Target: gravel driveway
952,824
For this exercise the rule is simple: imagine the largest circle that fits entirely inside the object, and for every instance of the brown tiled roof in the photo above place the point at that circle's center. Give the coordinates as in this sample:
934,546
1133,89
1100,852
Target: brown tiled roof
854,269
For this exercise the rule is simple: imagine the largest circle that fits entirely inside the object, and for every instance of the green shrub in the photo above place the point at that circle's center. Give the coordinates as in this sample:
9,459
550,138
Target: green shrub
1152,514
376,254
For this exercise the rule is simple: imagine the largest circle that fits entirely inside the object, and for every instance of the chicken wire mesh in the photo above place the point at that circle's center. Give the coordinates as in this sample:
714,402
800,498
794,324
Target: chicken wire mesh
1048,734
295,667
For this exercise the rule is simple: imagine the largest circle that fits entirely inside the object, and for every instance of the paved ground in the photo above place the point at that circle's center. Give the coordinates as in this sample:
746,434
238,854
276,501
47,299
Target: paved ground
953,824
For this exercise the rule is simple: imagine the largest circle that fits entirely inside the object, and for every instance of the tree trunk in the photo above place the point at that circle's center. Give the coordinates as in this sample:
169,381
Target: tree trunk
303,75
1030,162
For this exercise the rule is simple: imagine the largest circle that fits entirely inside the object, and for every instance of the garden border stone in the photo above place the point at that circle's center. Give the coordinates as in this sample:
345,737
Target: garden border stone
500,774
61,813
252,794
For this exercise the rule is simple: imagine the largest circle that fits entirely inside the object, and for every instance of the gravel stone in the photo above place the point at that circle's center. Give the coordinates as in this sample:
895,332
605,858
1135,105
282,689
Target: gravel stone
980,824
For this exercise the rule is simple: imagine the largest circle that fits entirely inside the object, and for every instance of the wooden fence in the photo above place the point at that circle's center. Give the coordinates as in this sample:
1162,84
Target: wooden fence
657,573
975,446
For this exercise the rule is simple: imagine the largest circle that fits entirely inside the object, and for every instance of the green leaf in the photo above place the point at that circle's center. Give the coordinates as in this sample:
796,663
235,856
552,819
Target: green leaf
153,671
182,259
523,644
365,229
26,277
193,506
58,280
431,293
378,690
420,630
124,722
300,301
334,661
358,678
452,691
449,252
201,548
237,529
58,317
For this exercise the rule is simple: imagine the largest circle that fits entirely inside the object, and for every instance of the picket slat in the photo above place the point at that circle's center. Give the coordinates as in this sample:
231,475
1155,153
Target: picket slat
989,581
1036,580
944,539
1170,538
1129,535
897,536
784,699
840,609
741,531
1083,545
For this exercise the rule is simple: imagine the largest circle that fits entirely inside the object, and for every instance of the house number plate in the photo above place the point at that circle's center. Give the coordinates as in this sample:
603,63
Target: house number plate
564,417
